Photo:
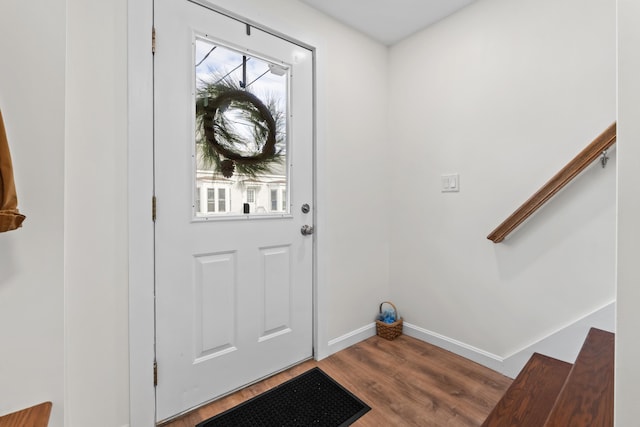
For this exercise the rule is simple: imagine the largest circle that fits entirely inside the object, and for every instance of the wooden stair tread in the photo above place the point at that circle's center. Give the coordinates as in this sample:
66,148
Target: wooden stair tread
35,416
587,397
532,394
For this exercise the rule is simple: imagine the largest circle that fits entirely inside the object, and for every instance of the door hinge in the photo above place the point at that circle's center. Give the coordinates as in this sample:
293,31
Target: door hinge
155,373
153,40
154,205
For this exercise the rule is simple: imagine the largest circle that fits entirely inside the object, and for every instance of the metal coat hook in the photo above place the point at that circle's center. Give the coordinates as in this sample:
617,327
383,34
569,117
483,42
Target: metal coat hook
604,158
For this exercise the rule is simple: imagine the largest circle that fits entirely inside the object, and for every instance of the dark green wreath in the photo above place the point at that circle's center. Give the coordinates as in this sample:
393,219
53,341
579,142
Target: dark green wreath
220,143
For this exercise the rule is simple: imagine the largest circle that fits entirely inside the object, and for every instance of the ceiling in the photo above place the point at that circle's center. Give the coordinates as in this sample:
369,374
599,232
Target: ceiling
388,21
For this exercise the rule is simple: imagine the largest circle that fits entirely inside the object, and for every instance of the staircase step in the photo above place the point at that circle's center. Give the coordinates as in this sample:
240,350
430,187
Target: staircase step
532,394
587,397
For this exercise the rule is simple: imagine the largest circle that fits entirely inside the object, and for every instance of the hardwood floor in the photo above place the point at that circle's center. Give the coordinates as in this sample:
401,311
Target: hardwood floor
406,382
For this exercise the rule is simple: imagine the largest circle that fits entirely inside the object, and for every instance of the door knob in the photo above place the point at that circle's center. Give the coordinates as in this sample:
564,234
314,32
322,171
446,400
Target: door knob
307,230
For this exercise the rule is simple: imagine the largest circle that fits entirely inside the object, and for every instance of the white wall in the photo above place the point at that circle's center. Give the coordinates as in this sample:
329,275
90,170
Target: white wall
63,287
96,289
32,98
505,94
628,317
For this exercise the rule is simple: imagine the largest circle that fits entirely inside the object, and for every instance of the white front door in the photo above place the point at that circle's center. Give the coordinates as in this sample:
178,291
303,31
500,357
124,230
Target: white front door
233,270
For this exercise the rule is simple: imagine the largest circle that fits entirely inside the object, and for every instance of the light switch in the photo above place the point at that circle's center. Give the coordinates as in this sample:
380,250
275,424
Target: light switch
450,183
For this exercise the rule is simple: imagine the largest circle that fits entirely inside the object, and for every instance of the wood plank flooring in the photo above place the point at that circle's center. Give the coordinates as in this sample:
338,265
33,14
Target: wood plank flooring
406,382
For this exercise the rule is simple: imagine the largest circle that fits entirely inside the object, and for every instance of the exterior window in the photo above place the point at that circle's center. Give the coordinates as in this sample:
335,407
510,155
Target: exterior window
284,200
224,196
211,199
251,195
198,209
217,201
222,200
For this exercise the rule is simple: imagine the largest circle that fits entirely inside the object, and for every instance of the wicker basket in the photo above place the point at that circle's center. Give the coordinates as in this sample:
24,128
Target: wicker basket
389,331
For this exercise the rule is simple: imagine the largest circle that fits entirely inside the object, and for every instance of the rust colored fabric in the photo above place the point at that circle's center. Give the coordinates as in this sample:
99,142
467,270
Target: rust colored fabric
10,217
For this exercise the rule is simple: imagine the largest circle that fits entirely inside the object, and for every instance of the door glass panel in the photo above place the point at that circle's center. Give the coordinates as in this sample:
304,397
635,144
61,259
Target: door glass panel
241,144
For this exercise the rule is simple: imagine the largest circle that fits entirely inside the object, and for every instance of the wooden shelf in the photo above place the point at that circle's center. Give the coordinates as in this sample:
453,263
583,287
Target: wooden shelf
35,416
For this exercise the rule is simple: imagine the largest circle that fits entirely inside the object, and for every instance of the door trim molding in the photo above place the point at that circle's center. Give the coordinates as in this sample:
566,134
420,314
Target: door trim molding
140,189
214,8
142,404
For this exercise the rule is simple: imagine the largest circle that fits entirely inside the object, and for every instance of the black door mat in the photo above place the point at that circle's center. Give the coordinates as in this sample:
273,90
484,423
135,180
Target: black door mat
310,399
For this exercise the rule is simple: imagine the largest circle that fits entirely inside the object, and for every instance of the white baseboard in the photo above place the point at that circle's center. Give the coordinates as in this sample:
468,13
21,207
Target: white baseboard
563,344
351,338
566,342
482,357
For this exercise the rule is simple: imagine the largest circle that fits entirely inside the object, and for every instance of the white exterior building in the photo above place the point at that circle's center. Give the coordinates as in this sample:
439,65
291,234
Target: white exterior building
216,194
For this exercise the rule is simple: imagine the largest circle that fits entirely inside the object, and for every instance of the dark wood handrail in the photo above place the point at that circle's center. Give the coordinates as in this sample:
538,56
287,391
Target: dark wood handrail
605,140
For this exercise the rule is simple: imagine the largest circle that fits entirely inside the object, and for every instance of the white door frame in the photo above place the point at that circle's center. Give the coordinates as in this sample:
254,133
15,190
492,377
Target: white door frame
140,190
